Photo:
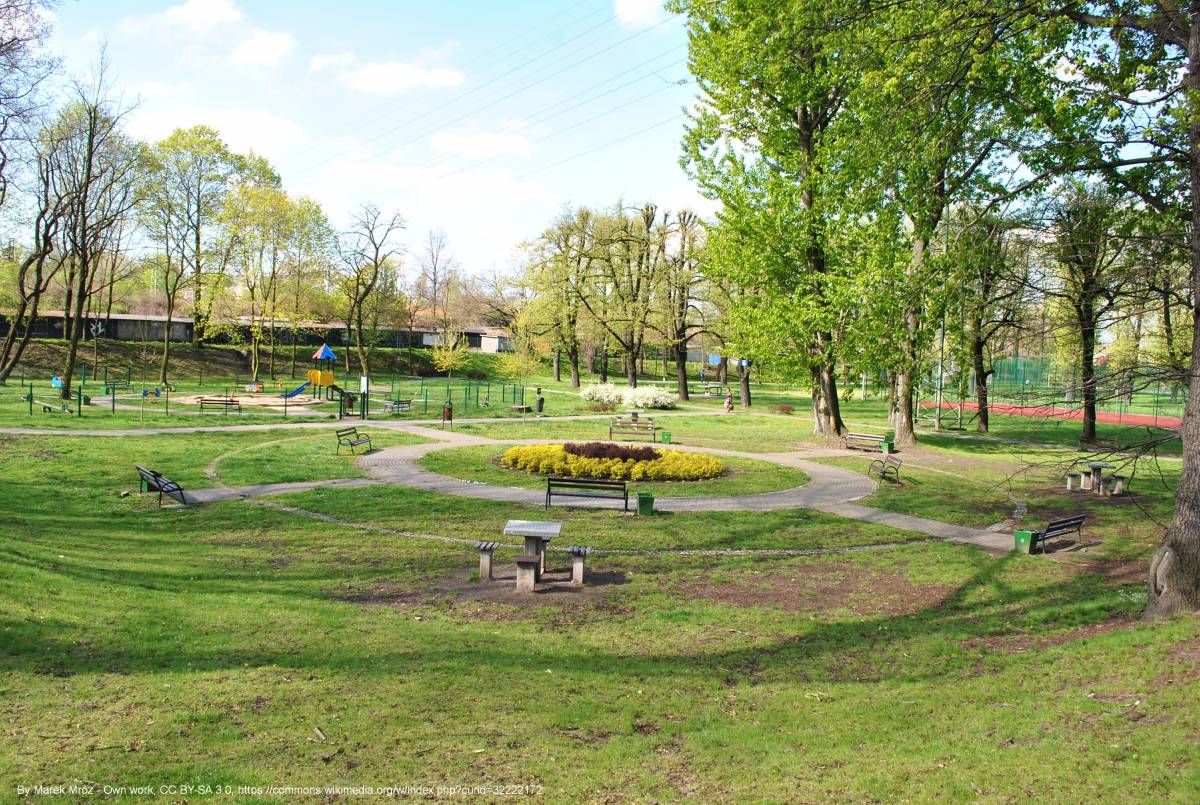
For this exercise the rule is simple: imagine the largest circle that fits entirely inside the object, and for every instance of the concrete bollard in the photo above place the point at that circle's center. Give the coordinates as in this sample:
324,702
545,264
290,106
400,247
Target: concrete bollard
1074,479
579,556
486,549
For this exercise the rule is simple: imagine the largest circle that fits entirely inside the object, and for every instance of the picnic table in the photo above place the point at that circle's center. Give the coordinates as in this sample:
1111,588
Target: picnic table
1097,471
537,534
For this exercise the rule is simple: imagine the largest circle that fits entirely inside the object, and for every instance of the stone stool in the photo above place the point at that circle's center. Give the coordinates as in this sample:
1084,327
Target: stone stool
1074,481
579,555
527,566
486,549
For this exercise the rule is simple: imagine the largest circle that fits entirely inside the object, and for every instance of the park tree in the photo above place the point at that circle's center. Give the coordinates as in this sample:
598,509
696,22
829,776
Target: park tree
987,260
557,274
309,250
760,140
1089,275
97,172
192,173
24,68
682,280
364,251
41,263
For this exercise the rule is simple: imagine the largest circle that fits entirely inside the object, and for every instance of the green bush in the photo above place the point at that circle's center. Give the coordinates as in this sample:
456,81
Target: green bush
670,465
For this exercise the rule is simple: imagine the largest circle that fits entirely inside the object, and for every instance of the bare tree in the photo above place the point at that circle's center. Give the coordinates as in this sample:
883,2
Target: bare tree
364,251
439,270
23,68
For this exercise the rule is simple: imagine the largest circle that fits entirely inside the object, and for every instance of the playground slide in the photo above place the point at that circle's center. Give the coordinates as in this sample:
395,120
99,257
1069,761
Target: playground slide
296,391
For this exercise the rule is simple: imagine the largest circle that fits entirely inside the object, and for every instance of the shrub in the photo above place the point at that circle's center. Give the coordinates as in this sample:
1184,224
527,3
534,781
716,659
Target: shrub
641,397
610,450
667,465
476,374
649,397
602,393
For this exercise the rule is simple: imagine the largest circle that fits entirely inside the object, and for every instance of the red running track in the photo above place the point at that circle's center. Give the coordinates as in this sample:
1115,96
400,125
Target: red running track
1107,417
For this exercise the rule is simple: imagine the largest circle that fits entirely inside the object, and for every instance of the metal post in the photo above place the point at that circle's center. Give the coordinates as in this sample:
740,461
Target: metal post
79,399
31,399
167,402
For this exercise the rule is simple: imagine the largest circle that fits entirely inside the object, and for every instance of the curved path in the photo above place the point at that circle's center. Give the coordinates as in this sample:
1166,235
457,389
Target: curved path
828,485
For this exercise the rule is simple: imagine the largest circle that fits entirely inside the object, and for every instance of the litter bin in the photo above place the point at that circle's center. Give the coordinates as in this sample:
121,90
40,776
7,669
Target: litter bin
645,503
1022,539
666,437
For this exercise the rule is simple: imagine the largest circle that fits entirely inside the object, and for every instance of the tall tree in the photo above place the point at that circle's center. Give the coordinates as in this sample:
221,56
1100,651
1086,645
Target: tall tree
364,250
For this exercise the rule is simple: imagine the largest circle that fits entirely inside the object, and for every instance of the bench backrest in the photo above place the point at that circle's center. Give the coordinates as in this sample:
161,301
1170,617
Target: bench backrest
344,432
867,436
1072,523
633,423
585,483
892,461
150,475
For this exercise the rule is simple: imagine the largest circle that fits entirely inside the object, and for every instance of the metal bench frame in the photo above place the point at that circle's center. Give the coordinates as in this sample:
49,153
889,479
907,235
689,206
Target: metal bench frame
224,403
884,467
632,427
352,439
583,485
1057,528
156,482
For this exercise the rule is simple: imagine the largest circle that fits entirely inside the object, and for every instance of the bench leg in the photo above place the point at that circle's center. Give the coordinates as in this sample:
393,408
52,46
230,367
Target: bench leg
485,565
577,571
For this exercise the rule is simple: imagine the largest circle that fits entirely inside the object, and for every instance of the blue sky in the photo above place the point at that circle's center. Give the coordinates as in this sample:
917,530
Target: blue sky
474,117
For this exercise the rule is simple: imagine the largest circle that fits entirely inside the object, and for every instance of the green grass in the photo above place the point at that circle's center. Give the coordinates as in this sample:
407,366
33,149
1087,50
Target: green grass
238,644
743,476
301,458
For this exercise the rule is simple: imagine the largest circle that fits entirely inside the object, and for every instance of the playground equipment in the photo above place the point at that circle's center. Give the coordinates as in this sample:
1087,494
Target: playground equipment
287,395
321,375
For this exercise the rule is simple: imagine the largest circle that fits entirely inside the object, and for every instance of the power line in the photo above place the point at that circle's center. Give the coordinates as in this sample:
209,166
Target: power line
516,92
518,126
460,96
600,147
552,135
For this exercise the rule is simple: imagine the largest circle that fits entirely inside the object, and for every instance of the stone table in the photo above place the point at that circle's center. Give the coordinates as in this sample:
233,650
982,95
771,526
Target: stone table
537,534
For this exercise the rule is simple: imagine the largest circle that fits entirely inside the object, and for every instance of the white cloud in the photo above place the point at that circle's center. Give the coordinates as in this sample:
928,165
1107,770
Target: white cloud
243,128
481,145
638,13
263,49
195,16
325,61
397,78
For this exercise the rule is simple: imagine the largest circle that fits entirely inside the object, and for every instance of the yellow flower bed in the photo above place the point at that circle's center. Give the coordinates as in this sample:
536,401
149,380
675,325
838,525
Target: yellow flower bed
671,465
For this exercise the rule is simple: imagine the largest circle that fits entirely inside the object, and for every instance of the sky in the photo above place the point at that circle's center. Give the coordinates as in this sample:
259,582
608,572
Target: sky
482,119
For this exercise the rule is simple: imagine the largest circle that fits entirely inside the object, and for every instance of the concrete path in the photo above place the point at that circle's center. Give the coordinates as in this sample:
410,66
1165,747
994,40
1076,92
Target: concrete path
221,493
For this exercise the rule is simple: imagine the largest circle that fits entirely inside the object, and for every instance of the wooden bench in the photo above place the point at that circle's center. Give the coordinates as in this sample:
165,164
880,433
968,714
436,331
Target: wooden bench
870,442
579,554
587,488
885,467
220,404
715,390
152,481
398,407
631,426
1057,528
350,437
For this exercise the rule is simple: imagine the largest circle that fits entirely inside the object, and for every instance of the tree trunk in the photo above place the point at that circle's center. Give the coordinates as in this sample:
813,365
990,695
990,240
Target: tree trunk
166,353
1087,370
631,367
981,387
723,370
557,366
573,358
903,426
1174,583
744,372
681,376
76,329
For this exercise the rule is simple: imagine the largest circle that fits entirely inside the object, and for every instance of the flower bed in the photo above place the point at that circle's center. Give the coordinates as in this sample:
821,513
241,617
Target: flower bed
594,461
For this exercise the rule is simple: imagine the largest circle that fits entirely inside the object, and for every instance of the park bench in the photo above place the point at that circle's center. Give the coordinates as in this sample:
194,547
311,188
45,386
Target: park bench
399,407
1057,528
579,554
152,481
587,488
870,442
1100,443
219,404
715,390
523,409
631,426
350,437
885,467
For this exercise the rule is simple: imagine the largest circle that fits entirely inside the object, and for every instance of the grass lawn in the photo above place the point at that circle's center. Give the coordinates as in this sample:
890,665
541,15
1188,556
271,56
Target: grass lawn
743,477
239,644
311,457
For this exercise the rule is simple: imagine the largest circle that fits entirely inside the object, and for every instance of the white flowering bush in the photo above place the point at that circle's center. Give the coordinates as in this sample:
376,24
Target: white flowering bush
642,397
649,397
602,393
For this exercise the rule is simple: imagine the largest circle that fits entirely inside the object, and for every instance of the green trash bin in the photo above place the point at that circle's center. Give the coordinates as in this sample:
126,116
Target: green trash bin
645,503
666,437
1022,540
